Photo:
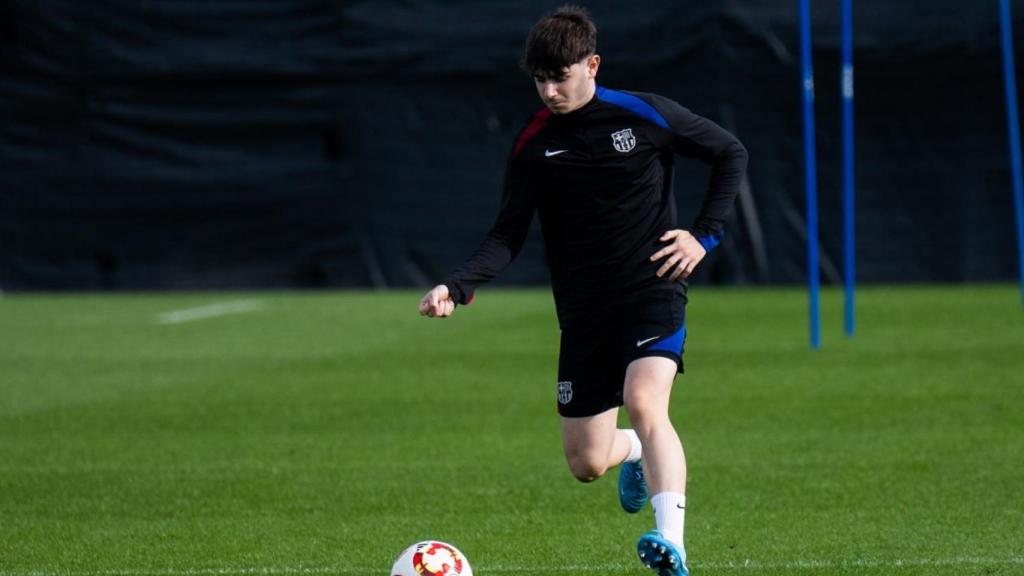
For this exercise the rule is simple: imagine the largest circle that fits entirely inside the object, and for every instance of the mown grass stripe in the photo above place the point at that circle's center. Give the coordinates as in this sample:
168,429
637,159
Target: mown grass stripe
731,565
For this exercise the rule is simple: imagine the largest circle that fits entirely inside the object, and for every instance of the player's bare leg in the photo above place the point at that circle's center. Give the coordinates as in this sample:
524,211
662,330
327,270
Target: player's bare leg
646,394
593,444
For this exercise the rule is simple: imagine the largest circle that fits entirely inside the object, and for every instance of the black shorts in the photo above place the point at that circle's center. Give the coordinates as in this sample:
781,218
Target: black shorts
597,348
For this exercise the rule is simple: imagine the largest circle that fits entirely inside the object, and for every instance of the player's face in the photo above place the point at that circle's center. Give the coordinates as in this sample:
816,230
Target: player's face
570,89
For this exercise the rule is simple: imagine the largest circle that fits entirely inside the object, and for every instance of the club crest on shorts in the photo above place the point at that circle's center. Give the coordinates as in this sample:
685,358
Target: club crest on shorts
623,140
564,392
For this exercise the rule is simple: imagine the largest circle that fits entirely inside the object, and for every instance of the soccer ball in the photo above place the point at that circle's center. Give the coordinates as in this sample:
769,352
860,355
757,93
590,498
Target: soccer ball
431,558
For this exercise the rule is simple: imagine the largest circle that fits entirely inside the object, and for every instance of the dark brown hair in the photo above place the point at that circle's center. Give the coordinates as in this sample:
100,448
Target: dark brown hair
559,40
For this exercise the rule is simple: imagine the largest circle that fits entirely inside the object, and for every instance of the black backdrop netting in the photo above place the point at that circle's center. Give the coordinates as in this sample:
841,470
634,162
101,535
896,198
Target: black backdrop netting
300,143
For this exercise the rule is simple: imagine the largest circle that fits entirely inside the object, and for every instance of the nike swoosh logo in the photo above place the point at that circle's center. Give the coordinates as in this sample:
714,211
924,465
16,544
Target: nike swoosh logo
550,153
640,343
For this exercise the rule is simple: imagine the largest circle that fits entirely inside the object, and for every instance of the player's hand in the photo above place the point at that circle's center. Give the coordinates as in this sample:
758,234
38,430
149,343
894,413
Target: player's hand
437,303
682,255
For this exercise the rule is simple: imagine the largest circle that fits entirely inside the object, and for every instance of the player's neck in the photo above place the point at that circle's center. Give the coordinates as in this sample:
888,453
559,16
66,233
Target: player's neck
586,98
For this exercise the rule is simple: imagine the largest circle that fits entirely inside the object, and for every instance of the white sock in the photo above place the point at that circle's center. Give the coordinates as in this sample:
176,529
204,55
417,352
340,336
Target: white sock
670,515
634,446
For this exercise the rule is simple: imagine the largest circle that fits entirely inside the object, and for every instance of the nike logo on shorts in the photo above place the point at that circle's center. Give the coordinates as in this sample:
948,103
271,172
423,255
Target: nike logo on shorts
550,153
640,343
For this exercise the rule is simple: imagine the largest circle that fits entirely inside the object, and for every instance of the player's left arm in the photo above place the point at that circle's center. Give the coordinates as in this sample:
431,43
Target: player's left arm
682,254
697,137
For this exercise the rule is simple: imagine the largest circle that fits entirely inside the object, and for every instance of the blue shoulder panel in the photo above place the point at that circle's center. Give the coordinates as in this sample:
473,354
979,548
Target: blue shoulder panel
634,104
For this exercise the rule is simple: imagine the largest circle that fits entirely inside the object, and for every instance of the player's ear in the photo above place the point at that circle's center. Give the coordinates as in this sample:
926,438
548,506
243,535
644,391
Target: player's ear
593,63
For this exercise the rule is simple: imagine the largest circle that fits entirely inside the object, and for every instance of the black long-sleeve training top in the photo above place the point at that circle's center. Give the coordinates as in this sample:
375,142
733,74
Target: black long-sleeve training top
600,180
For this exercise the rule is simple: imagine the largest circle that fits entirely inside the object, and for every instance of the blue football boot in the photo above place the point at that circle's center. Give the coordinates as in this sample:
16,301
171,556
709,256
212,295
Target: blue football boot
659,554
632,487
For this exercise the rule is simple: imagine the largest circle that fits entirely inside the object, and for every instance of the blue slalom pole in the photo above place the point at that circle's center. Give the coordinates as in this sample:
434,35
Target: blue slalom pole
849,235
1010,82
811,176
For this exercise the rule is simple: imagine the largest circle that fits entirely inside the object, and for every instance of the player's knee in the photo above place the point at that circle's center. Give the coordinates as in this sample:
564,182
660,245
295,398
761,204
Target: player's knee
585,467
642,403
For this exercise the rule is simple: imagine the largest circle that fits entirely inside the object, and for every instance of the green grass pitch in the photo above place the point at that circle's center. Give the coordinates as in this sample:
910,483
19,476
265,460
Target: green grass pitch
321,433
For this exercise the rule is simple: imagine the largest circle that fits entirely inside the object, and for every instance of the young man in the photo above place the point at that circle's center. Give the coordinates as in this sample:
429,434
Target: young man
596,165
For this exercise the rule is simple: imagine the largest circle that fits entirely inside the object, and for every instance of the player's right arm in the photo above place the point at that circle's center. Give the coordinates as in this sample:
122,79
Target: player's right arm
437,303
499,248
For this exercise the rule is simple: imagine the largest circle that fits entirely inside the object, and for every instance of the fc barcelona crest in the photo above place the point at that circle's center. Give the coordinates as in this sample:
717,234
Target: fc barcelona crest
623,140
564,392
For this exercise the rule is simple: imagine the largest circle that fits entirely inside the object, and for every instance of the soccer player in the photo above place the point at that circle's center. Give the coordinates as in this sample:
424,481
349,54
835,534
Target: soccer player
596,165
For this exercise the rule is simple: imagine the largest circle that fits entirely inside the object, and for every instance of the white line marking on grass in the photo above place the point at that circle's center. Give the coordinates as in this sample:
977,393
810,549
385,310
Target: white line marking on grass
269,571
266,571
210,311
863,563
742,565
